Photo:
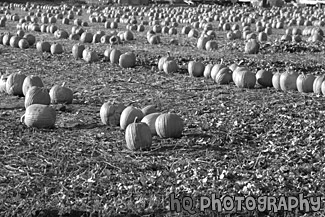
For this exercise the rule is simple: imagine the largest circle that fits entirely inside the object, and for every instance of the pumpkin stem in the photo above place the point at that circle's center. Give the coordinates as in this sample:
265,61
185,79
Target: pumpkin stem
168,53
22,119
135,119
63,84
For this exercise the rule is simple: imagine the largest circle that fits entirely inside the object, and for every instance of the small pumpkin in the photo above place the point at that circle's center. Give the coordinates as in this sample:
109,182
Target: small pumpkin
224,76
127,60
86,37
317,85
305,83
37,95
23,44
61,94
14,40
110,113
211,45
195,68
115,56
150,120
162,60
149,109
107,53
252,46
170,66
288,80
39,116
264,78
77,50
30,38
30,81
244,78
216,68
207,70
14,84
276,81
3,81
43,46
169,125
202,42
138,136
56,48
128,115
89,55
323,88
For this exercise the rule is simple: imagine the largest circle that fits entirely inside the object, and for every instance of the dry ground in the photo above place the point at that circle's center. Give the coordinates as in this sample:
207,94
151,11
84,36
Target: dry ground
235,142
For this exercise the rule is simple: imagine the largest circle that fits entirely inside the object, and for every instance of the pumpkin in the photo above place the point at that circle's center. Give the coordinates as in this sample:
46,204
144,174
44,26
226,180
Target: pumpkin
128,35
23,44
149,109
202,42
128,115
169,125
162,60
3,81
317,85
89,55
170,66
264,78
56,48
244,78
77,50
105,39
30,38
224,76
150,120
86,37
37,95
127,60
211,45
233,66
154,39
323,88
14,84
96,38
207,70
115,56
14,40
114,39
288,80
61,94
43,46
110,113
276,81
31,80
252,46
216,68
6,38
138,136
305,83
195,69
39,116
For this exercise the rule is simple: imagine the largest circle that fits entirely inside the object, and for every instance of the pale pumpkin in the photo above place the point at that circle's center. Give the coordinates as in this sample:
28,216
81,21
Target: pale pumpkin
317,85
86,37
323,88
233,66
89,55
150,120
37,95
110,113
170,66
14,84
169,125
216,68
61,94
39,116
276,81
138,136
162,60
43,46
128,115
31,80
149,109
211,45
127,60
244,78
305,83
23,44
207,70
3,81
195,68
288,80
252,46
56,48
202,42
77,50
224,76
264,78
115,56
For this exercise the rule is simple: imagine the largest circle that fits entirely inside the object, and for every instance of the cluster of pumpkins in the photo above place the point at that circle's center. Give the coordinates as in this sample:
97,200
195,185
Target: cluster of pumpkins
38,112
141,125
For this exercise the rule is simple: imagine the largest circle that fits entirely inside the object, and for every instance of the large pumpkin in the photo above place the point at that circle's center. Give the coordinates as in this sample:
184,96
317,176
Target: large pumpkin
244,78
31,80
317,86
150,120
264,78
37,95
224,76
305,83
39,116
128,115
288,80
276,81
14,84
138,136
169,125
216,68
61,94
110,113
195,69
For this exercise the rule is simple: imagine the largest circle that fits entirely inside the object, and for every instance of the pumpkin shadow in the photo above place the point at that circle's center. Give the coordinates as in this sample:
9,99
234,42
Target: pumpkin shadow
80,126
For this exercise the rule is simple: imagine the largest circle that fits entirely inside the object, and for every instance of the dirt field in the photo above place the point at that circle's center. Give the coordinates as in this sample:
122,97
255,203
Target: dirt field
236,142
